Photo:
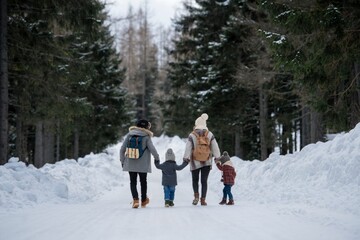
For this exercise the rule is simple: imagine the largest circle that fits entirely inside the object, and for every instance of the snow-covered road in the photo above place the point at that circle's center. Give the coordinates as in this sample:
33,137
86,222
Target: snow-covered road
112,218
310,195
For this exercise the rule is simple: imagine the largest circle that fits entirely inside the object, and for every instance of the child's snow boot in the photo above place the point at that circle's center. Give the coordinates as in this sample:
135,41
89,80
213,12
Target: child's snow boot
196,199
202,201
171,203
145,202
223,201
135,203
231,202
167,203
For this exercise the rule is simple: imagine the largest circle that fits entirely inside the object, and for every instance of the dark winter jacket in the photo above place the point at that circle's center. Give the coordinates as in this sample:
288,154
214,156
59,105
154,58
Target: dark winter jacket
229,173
169,168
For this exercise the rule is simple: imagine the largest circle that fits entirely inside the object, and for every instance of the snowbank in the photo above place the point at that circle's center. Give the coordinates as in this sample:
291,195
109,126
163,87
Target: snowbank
322,175
66,180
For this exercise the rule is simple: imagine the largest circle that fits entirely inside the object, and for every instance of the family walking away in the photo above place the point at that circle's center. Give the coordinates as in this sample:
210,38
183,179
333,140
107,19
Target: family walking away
200,149
135,157
225,165
169,177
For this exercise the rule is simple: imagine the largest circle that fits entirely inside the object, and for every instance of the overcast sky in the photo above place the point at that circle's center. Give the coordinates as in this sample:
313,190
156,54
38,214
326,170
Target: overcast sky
160,11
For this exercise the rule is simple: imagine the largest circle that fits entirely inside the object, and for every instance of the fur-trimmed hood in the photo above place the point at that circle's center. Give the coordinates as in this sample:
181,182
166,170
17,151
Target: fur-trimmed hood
141,130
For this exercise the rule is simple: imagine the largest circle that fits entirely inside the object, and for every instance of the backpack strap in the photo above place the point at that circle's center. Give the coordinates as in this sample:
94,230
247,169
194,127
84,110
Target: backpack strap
206,133
197,135
132,137
137,140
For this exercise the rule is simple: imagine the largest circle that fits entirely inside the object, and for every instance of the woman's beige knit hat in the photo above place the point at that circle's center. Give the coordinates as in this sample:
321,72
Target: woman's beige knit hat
200,122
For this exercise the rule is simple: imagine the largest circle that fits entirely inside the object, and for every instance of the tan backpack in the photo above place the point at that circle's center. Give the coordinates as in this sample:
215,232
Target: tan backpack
202,151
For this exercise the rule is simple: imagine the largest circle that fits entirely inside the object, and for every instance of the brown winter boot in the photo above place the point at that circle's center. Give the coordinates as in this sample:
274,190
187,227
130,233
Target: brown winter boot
145,202
231,202
135,203
202,201
196,199
223,201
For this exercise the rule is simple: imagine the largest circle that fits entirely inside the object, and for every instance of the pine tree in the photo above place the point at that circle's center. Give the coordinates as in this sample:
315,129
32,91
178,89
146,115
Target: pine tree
316,42
210,72
105,96
64,79
202,80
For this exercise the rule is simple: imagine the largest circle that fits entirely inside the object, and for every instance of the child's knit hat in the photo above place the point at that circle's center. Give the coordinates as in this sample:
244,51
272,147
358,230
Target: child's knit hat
169,155
225,157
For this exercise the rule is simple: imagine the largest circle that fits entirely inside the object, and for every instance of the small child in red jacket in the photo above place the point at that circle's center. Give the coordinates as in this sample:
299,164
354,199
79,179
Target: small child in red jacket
225,165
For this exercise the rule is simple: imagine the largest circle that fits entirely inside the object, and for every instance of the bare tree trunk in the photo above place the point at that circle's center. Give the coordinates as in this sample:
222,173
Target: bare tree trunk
263,113
295,138
44,144
311,127
57,141
305,127
39,145
237,143
20,143
4,88
296,124
76,143
290,137
239,151
355,106
49,143
316,131
284,139
357,75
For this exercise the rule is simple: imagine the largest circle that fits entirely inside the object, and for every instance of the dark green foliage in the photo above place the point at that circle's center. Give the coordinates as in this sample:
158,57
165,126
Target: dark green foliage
64,70
214,40
320,46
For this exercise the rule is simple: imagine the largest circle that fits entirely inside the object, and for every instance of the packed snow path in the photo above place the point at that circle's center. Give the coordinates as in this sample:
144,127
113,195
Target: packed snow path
112,217
313,194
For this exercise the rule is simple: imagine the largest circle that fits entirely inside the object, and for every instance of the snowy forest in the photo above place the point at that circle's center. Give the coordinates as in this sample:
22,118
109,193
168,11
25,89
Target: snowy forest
272,75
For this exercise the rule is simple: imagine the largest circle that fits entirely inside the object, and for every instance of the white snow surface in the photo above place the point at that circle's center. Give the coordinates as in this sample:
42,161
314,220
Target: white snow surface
313,194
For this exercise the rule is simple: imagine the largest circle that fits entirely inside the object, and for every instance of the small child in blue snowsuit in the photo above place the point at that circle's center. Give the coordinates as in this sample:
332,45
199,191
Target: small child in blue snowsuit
169,177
